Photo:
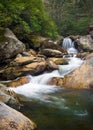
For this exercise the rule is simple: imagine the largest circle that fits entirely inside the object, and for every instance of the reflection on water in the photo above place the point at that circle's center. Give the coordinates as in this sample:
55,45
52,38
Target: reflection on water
67,110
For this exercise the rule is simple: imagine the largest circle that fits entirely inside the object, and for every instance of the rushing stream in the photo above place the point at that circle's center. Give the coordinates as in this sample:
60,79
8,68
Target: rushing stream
55,108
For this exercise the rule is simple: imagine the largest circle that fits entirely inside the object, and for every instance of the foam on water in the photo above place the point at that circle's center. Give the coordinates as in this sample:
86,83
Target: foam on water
73,64
38,88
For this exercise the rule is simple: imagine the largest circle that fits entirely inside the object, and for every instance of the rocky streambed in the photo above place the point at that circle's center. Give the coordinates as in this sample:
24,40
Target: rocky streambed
37,80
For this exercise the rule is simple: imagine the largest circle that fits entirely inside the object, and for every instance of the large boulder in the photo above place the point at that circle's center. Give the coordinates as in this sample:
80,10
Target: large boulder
80,78
10,46
85,43
10,119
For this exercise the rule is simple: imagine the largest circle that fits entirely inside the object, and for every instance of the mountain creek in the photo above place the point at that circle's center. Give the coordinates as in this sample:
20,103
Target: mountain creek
55,108
55,92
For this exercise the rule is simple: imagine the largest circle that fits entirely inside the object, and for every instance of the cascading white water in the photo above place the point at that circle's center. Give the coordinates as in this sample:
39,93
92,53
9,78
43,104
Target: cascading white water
68,44
38,88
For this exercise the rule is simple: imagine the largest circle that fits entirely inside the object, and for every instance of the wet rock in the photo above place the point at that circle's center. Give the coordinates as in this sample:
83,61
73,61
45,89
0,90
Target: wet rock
80,78
58,61
10,119
10,46
18,82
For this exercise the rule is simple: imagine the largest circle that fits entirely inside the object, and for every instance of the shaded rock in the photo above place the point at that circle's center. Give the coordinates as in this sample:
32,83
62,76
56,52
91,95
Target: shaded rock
82,55
50,45
74,37
9,97
85,43
18,82
51,53
35,41
10,119
58,61
32,52
10,46
80,78
4,97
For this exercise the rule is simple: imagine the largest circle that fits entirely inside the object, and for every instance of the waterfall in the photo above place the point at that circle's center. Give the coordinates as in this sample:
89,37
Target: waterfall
68,44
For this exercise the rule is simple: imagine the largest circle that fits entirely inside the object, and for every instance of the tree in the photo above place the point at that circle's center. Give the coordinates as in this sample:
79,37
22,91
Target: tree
26,17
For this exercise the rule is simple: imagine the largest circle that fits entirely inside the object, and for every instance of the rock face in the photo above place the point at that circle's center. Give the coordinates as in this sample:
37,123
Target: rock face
10,119
80,78
10,46
85,43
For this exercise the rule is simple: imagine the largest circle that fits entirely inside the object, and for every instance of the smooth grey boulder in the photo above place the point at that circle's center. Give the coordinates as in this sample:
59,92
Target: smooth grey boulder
10,46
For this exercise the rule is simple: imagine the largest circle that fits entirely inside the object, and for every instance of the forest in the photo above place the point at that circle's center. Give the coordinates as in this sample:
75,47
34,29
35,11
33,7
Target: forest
46,17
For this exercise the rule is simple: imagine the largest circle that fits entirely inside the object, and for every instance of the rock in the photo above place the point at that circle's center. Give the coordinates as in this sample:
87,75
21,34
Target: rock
90,28
32,52
10,46
58,61
35,41
21,61
18,82
8,97
51,65
81,78
82,55
10,119
85,43
51,53
51,45
22,66
56,81
74,37
4,97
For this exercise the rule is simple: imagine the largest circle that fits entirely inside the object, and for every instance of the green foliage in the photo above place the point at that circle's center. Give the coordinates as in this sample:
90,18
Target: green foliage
26,17
71,16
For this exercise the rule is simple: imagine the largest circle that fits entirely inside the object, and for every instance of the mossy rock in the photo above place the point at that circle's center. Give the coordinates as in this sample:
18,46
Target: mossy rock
2,38
35,41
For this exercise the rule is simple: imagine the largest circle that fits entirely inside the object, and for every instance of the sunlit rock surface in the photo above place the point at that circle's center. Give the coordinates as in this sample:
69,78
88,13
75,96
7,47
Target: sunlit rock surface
10,119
